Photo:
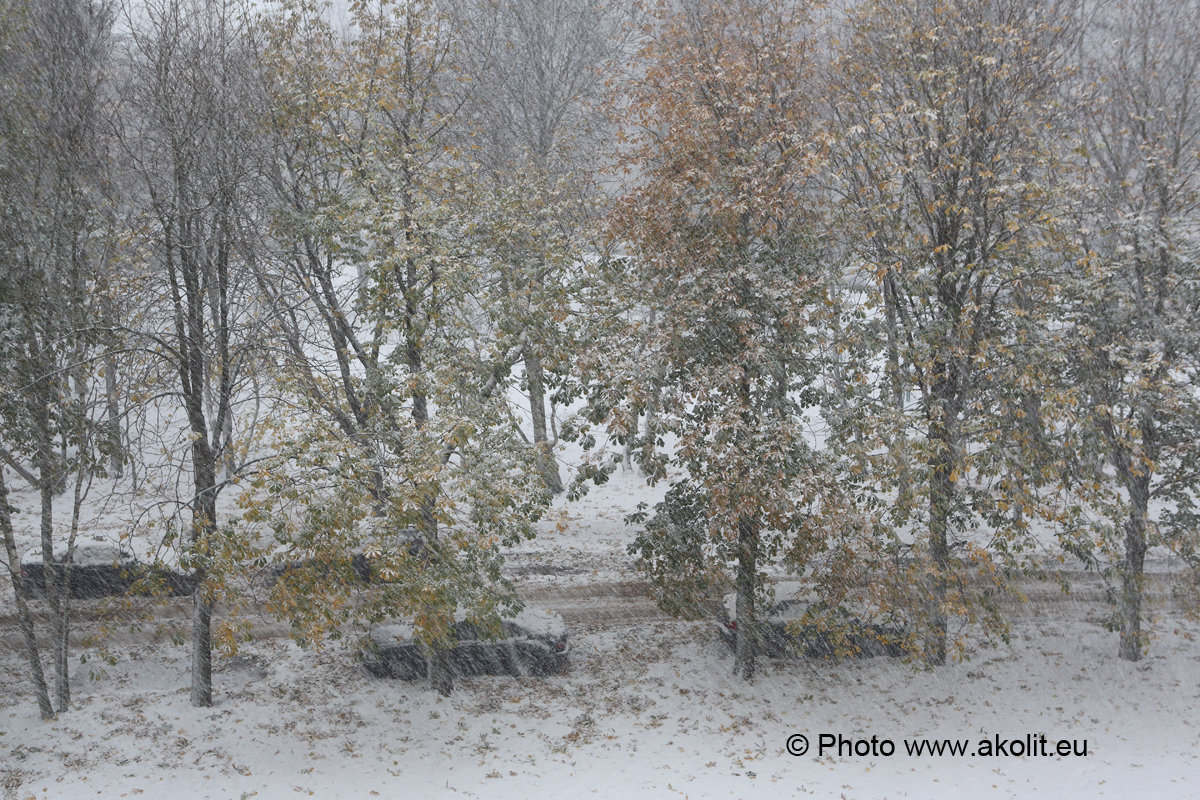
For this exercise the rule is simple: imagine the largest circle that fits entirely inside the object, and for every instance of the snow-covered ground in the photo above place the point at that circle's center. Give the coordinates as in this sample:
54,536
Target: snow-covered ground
649,709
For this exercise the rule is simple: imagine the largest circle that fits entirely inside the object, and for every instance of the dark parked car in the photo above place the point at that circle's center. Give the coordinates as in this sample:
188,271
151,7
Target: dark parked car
533,642
105,570
785,632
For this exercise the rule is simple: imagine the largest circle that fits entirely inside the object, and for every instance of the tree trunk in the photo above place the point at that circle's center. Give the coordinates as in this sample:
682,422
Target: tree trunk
942,479
204,526
62,666
57,574
24,619
112,404
650,423
204,523
1130,607
62,627
627,456
441,675
229,459
116,454
537,409
61,630
899,443
11,460
935,581
62,624
202,611
744,660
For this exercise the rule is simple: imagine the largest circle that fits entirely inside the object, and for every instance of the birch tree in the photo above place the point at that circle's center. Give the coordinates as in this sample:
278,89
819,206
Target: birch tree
55,231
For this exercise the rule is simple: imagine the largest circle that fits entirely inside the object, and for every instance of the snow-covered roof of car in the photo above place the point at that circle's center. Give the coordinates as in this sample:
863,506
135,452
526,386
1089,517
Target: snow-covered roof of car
391,633
87,554
541,621
538,621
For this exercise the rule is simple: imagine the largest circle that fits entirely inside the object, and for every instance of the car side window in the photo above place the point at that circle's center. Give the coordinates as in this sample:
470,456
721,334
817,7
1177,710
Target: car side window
465,631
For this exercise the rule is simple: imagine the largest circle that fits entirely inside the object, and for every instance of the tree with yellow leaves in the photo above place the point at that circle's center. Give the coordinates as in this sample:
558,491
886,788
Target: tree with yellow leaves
716,237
